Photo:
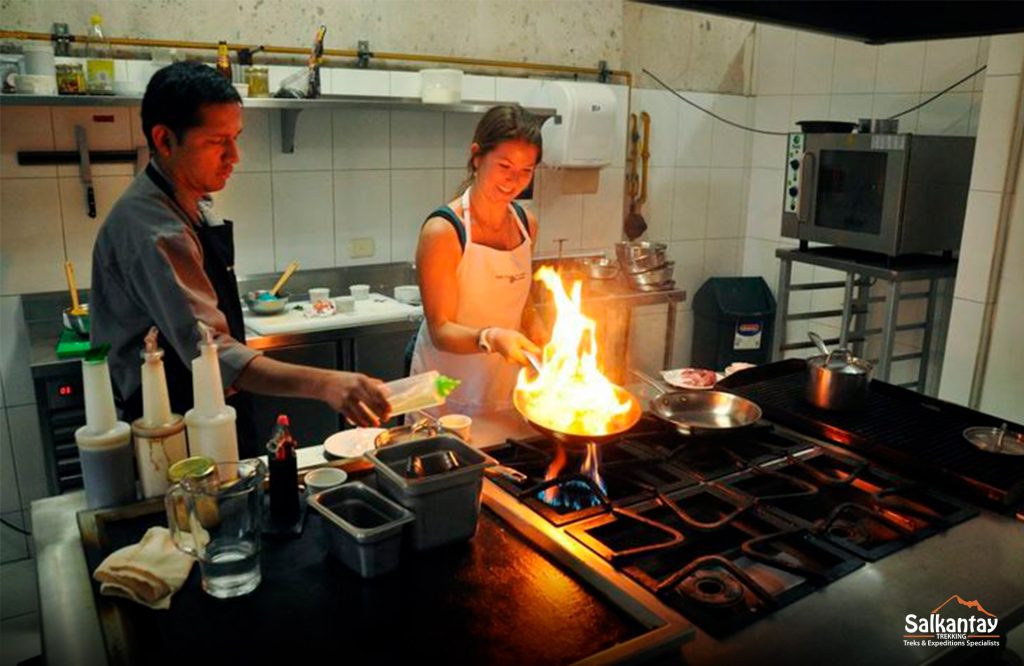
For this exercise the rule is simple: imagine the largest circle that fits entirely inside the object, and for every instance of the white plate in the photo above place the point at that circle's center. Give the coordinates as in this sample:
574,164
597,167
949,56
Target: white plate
351,443
673,378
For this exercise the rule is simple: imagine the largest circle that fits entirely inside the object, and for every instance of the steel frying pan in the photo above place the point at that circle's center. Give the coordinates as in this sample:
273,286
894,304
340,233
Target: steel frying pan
697,412
578,440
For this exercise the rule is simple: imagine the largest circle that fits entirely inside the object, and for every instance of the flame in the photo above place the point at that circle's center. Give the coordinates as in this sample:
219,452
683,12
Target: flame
592,467
570,394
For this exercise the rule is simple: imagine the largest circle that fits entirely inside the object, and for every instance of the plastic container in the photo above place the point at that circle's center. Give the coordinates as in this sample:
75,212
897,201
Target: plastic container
159,434
364,528
99,68
211,422
441,86
446,504
104,443
422,391
733,321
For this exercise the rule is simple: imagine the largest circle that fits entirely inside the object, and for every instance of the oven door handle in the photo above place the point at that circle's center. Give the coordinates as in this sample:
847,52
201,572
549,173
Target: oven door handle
808,183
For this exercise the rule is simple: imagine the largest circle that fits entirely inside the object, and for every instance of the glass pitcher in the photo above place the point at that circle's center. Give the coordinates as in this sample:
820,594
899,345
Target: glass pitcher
217,520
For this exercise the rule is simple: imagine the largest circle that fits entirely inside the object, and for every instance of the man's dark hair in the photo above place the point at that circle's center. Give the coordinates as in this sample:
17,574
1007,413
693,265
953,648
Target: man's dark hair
177,92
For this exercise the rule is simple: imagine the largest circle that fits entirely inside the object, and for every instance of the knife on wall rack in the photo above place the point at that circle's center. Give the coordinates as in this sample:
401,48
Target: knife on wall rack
85,168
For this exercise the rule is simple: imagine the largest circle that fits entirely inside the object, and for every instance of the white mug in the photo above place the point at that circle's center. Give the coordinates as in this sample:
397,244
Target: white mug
457,424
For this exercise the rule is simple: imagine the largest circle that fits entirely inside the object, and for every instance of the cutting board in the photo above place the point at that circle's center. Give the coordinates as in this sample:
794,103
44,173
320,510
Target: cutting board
377,309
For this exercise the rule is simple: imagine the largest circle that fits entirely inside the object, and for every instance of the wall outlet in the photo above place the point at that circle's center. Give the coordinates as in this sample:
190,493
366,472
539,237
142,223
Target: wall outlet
361,248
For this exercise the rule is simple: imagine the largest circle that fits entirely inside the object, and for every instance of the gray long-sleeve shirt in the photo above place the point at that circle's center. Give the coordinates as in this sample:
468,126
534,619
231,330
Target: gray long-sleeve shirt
147,270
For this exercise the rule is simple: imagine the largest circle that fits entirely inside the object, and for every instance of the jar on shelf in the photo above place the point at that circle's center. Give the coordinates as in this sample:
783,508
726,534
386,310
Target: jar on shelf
258,78
71,79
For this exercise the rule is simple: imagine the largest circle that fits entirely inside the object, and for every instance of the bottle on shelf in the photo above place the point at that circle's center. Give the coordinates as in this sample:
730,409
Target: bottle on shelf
210,422
159,434
99,65
224,60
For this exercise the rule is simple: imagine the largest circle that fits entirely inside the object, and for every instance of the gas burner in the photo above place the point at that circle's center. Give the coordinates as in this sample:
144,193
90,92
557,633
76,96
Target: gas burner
850,531
713,587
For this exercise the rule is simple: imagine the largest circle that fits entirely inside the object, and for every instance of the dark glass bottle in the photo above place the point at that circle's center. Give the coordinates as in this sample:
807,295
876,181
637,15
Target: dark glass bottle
223,60
283,468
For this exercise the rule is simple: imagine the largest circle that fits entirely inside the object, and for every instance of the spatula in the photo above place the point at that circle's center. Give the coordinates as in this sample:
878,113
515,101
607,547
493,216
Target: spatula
76,306
292,267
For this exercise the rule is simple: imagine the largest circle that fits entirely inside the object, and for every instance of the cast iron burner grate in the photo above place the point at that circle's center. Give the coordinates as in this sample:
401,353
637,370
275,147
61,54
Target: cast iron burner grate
714,555
865,510
921,435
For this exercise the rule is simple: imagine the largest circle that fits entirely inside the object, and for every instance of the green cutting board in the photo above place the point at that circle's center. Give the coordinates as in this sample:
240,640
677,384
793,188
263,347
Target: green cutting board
72,345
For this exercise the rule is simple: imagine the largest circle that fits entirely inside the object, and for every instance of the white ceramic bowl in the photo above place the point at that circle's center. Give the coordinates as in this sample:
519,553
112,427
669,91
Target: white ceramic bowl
324,478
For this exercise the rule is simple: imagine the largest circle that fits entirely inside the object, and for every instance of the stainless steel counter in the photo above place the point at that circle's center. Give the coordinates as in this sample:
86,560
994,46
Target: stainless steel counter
858,619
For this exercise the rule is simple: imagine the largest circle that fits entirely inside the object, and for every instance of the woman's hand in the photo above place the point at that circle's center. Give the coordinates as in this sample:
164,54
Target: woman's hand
510,344
362,399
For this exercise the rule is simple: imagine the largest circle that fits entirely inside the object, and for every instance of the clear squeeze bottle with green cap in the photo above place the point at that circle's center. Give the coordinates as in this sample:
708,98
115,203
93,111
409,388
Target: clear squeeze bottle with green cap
422,391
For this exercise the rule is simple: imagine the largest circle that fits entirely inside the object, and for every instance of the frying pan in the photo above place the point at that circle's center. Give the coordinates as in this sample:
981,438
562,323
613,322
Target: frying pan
700,412
573,440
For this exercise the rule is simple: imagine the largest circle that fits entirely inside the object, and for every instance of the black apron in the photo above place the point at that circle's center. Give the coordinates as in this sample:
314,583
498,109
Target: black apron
218,264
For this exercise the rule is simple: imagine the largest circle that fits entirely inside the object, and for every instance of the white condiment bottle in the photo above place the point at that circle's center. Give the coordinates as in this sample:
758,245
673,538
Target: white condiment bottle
159,434
104,443
211,422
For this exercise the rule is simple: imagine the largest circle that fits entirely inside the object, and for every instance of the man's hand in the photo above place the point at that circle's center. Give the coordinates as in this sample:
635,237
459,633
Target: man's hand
511,344
363,400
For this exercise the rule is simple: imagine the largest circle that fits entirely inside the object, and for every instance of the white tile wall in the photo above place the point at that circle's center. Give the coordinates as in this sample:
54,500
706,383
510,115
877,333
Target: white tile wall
368,82
855,65
722,258
458,136
663,108
362,202
961,350
659,210
30,222
417,140
690,202
254,142
888,104
815,60
603,212
771,113
247,201
80,229
947,60
694,129
1006,54
900,67
996,125
27,445
774,60
808,107
726,197
730,146
850,107
764,204
414,193
561,215
303,219
361,139
977,245
105,128
24,128
689,269
948,115
312,142
14,354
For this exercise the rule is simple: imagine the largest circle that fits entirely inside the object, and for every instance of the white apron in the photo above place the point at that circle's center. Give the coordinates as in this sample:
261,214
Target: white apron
493,287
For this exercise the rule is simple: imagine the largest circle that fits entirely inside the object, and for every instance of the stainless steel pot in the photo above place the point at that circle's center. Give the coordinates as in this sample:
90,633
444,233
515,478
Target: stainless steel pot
837,380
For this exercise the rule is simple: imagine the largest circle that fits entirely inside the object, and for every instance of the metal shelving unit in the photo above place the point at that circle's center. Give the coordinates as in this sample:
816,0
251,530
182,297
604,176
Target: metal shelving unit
862,271
290,108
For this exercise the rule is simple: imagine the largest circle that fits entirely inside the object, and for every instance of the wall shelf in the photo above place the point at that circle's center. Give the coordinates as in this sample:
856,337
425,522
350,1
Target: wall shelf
291,108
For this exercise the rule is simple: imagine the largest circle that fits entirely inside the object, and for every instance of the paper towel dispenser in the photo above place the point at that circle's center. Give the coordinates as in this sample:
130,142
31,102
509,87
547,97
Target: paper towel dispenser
582,134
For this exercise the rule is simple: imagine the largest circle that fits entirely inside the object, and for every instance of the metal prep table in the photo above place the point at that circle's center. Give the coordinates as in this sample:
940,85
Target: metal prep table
862,271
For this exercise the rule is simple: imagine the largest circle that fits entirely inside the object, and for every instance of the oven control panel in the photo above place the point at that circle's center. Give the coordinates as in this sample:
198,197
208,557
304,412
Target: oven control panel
794,155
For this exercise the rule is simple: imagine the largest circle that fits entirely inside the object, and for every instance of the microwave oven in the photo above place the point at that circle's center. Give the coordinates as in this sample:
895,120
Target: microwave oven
893,194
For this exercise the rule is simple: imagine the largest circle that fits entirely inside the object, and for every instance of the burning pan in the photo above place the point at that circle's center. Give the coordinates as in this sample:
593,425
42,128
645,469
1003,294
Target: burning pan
579,440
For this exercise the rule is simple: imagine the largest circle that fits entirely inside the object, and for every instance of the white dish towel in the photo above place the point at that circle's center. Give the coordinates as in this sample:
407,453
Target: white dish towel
148,572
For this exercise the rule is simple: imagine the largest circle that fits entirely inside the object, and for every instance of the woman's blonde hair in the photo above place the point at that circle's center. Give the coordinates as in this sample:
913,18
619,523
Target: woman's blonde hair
508,122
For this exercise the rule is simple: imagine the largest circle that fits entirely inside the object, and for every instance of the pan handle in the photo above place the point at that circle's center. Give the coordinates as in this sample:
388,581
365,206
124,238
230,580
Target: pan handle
650,381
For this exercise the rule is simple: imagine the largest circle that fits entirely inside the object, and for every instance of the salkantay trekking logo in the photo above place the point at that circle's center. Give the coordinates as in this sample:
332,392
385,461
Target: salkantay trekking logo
933,630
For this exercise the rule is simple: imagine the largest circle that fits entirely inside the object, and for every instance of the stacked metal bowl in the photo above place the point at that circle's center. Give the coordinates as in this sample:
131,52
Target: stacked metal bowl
645,266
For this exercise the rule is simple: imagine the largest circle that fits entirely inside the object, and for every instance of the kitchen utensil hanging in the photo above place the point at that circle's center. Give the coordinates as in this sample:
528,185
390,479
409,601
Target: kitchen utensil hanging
85,169
635,225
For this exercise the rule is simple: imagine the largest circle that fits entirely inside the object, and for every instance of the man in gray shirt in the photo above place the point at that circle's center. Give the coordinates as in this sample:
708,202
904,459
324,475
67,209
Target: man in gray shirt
162,258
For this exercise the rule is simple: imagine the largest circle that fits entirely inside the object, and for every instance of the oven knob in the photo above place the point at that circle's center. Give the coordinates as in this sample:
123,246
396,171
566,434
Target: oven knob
793,191
795,164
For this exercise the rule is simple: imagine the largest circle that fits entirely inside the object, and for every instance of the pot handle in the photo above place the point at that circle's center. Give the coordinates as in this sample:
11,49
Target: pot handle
650,381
